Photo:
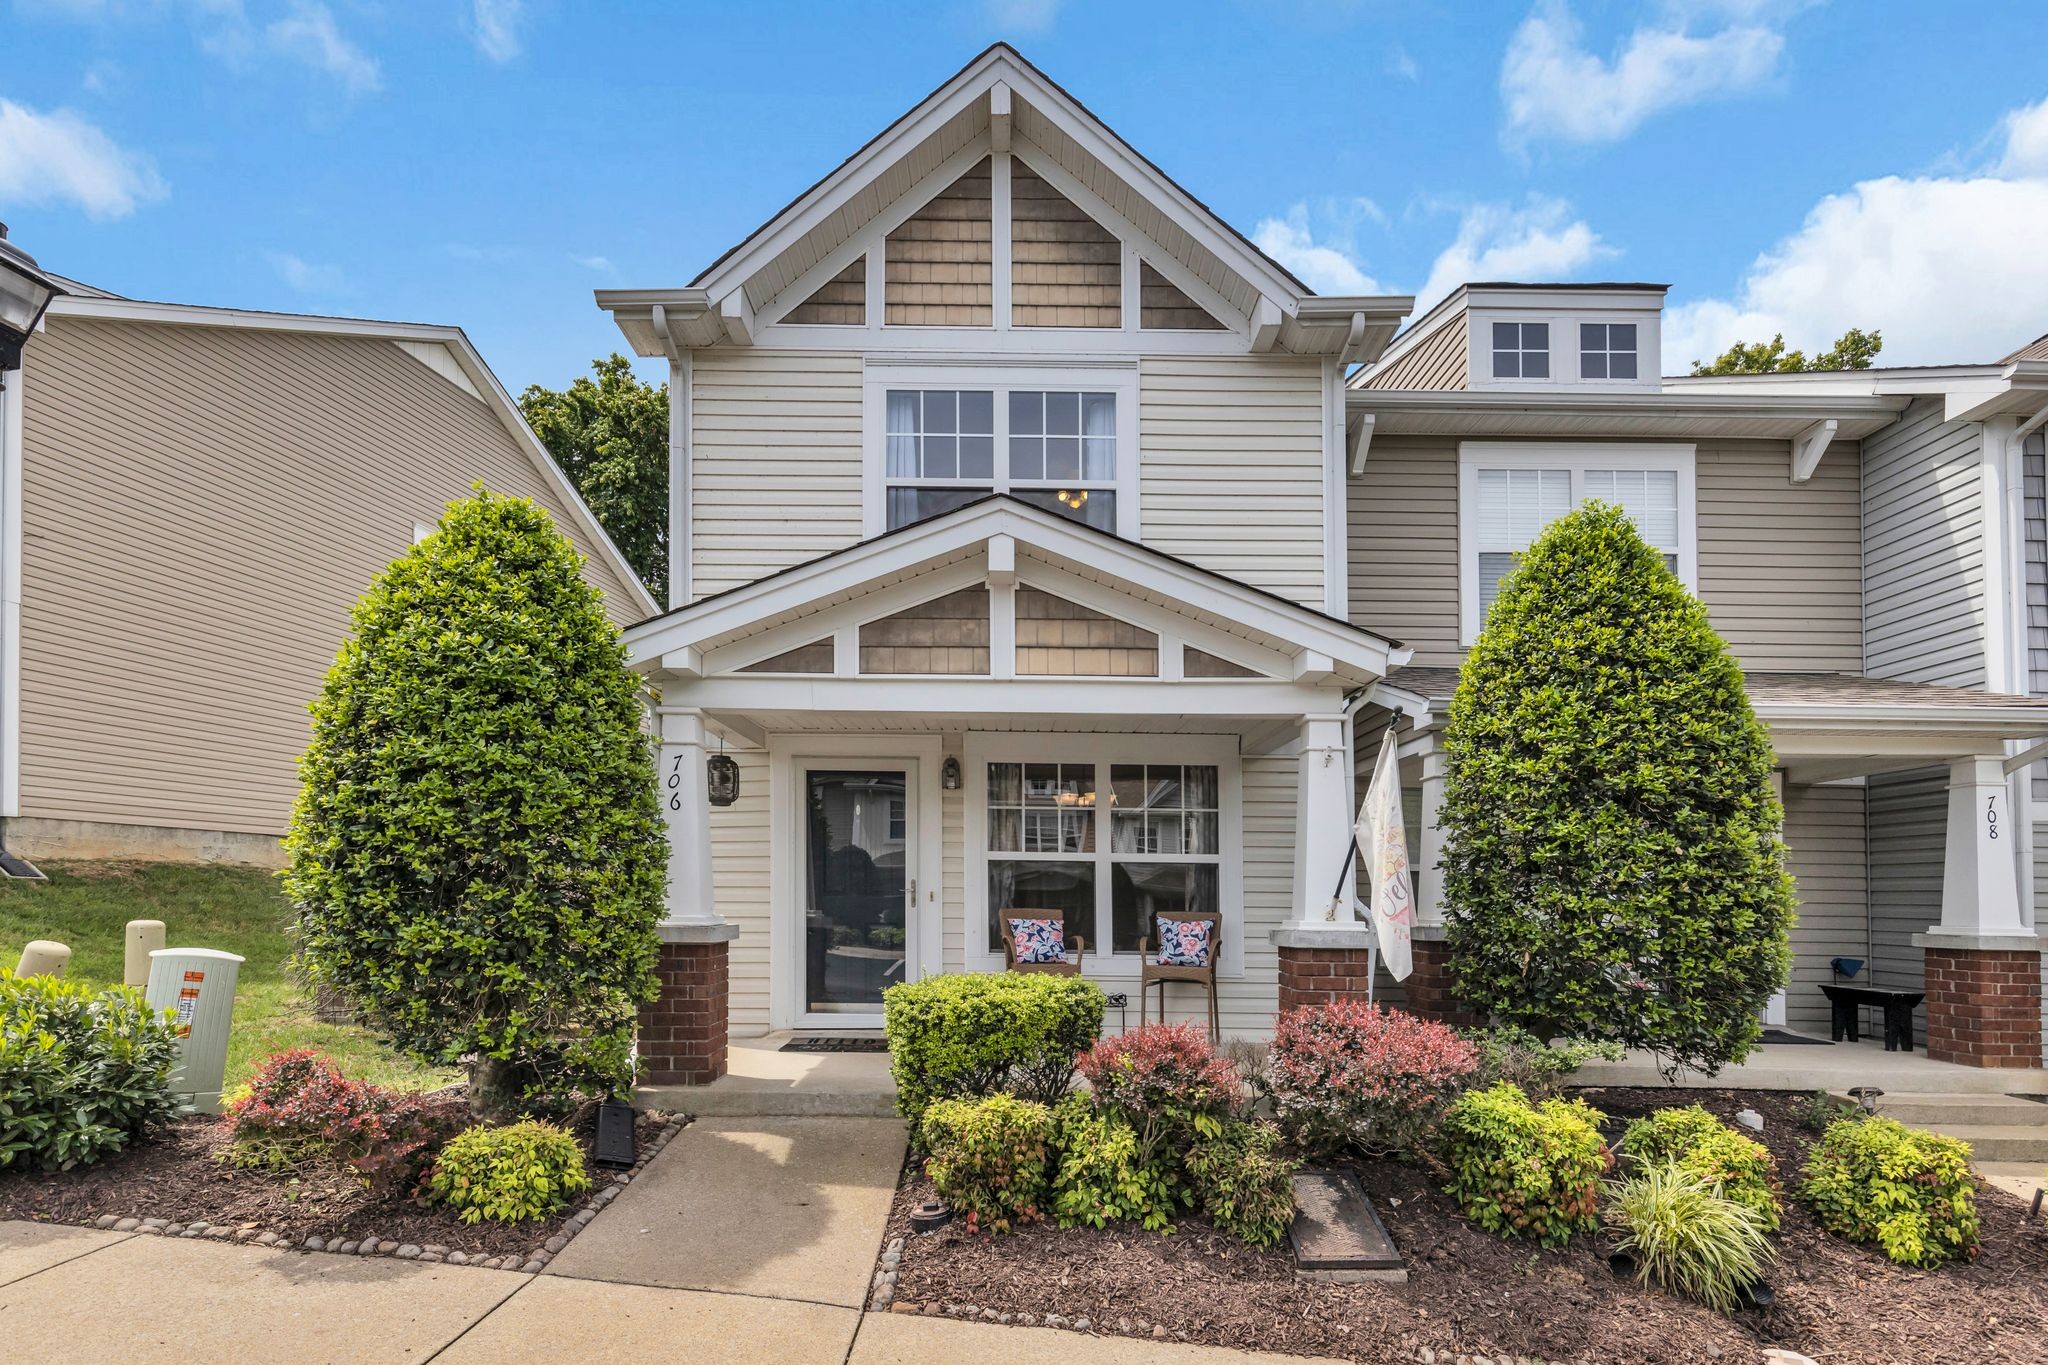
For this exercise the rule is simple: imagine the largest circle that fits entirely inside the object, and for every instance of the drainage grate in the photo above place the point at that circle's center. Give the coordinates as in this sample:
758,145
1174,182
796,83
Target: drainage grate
835,1045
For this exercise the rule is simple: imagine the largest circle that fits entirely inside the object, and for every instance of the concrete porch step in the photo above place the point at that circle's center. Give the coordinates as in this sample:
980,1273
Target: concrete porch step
763,1081
1924,1109
2000,1141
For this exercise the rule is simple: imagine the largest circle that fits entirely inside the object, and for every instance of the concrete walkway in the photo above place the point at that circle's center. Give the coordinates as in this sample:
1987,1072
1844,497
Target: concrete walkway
746,1242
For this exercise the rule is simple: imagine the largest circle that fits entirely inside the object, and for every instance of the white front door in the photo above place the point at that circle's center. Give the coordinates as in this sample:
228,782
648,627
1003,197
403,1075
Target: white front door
857,887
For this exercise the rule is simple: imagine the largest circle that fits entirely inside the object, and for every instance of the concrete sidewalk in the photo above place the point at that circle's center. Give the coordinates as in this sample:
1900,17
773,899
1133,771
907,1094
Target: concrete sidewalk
746,1242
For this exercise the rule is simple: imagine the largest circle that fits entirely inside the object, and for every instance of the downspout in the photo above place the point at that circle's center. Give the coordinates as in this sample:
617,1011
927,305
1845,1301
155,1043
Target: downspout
2019,678
11,405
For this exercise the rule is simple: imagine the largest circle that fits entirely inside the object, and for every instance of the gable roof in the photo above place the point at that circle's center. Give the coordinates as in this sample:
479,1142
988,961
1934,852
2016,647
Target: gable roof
908,550
953,119
446,350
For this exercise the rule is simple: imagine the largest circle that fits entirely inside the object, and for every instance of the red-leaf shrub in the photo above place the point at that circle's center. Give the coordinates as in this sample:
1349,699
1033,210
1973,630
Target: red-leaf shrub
1348,1076
1167,1081
301,1109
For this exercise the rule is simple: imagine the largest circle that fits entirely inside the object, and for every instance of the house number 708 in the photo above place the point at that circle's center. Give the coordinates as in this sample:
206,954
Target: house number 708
1991,817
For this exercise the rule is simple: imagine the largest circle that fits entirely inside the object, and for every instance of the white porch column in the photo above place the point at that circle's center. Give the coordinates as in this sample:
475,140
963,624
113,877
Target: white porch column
1429,898
692,915
1979,884
1322,822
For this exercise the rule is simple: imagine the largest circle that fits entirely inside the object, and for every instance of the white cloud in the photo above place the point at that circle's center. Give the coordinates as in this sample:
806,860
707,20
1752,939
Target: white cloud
59,157
305,276
1539,241
309,35
1327,266
1021,16
2026,142
1555,88
601,264
1401,64
497,28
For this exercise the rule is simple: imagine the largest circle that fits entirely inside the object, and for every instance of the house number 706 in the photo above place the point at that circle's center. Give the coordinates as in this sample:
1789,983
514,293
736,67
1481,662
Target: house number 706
675,784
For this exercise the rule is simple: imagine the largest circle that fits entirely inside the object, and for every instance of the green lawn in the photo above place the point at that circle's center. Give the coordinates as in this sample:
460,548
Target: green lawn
238,909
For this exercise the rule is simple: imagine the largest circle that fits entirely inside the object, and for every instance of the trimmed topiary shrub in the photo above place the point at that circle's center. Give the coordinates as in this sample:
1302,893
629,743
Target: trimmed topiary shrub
1168,1082
1523,1170
83,1071
514,1174
1100,1176
1737,1167
1686,1237
1909,1191
477,853
988,1158
1612,860
1244,1182
1352,1077
974,1034
1510,1053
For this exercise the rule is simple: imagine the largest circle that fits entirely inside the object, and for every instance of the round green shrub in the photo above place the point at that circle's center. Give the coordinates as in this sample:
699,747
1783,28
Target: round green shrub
1244,1181
514,1174
477,852
1690,1138
1612,861
973,1034
1688,1238
989,1158
83,1071
1102,1175
1523,1170
1907,1190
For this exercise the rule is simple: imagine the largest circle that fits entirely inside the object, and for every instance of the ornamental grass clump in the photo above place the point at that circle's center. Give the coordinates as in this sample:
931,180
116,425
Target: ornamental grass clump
1525,1170
1737,1167
975,1034
1612,861
514,1174
477,854
1686,1237
84,1072
1349,1077
988,1159
1908,1191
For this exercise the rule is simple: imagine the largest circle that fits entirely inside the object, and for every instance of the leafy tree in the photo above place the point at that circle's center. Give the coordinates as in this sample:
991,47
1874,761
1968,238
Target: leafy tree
610,436
477,852
1853,350
1612,860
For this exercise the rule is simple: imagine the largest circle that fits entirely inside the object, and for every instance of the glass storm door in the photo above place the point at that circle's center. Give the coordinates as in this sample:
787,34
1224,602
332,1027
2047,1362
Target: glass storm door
859,855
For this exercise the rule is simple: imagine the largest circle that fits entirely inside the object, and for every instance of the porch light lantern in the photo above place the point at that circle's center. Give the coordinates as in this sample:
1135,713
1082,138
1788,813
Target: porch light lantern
25,292
949,774
722,779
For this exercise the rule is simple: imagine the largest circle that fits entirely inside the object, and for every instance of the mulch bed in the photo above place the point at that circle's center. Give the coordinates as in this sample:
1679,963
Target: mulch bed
178,1179
1471,1294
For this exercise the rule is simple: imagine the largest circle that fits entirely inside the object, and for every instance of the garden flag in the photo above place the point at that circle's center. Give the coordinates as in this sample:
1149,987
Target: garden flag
1383,840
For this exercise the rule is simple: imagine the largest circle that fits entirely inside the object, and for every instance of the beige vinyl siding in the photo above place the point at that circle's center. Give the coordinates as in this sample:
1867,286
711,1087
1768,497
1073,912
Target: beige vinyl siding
1908,840
952,878
739,876
1231,468
776,461
202,506
1439,361
1824,836
1779,563
1923,589
1402,545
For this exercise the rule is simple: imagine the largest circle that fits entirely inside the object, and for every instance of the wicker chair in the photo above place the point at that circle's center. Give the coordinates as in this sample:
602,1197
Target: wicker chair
1154,973
1070,967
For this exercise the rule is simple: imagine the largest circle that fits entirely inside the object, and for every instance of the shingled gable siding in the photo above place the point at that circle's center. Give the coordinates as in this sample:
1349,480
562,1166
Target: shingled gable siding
939,261
1438,362
776,460
1232,467
1779,562
1923,588
202,506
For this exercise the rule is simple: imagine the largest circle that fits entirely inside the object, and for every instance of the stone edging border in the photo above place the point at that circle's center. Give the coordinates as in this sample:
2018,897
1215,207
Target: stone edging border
530,1263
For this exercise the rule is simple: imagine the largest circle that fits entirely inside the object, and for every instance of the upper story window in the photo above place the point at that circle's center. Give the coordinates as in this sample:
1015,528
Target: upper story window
1521,350
1068,447
1607,350
1507,494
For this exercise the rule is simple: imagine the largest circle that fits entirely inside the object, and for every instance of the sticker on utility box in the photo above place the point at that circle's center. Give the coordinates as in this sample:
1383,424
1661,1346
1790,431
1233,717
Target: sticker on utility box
188,1002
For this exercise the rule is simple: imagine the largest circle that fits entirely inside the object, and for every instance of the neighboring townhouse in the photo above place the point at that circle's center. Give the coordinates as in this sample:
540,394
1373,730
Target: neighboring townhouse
1039,543
203,494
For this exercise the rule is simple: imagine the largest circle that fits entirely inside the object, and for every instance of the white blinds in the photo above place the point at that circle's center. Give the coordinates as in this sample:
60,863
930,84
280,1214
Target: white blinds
1649,496
1514,505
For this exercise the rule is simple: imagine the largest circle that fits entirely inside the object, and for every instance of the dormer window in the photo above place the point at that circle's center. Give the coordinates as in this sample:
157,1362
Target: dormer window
1607,350
1521,350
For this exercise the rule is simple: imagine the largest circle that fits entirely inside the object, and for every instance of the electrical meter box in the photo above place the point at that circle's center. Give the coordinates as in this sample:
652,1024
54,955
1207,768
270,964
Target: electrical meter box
198,986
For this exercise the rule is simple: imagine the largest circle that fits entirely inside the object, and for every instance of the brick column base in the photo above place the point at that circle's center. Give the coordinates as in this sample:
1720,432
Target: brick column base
1984,1006
1316,976
1429,985
682,1035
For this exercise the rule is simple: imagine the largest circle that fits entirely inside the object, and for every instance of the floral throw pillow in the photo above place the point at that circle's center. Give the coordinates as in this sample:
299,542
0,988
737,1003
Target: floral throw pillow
1183,942
1038,940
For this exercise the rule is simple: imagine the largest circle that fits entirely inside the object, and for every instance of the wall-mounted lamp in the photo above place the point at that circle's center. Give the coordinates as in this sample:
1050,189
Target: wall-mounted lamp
722,779
949,774
25,292
1072,497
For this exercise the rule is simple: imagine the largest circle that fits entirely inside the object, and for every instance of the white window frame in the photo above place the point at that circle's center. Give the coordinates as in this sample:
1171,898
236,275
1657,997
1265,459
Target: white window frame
1104,751
1576,459
1522,350
1634,352
1120,381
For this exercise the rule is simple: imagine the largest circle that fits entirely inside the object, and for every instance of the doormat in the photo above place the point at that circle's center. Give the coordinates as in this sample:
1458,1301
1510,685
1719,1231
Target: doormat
835,1045
1779,1036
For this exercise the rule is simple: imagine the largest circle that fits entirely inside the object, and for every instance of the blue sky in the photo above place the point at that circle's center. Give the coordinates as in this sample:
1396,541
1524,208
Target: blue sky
1788,166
